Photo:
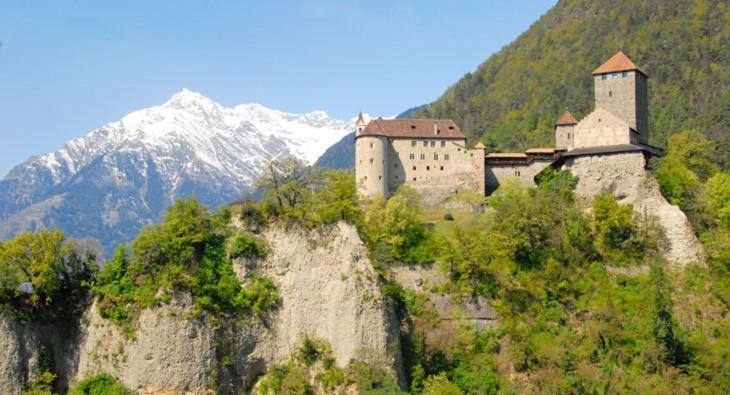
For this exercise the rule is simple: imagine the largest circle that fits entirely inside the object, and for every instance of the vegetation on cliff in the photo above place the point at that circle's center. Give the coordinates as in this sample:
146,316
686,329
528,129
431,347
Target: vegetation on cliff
44,275
190,251
514,98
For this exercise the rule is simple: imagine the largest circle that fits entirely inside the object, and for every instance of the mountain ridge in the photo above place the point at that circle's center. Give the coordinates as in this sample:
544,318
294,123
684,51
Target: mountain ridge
122,175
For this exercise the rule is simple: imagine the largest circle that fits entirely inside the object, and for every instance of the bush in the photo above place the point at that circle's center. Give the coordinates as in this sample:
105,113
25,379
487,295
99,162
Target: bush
186,252
102,384
244,244
448,217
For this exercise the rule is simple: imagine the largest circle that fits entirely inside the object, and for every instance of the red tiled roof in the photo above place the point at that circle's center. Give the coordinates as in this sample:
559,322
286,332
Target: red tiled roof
566,119
409,128
618,62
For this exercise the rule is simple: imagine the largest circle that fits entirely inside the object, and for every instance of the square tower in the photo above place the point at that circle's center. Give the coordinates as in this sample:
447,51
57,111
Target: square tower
621,88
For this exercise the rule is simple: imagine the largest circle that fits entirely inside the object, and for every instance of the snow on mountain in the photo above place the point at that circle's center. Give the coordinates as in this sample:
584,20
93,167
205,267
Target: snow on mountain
110,182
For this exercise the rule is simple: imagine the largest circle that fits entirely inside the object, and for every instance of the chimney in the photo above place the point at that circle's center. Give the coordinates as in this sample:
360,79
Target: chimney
436,129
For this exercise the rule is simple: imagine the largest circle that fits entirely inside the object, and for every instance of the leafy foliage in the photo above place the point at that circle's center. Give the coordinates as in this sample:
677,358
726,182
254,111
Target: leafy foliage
43,276
102,384
186,252
513,99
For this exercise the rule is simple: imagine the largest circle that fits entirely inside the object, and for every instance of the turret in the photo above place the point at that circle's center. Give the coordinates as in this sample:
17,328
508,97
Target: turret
565,131
371,161
621,88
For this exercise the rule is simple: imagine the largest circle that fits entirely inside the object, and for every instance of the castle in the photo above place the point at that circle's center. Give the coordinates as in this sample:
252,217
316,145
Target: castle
432,156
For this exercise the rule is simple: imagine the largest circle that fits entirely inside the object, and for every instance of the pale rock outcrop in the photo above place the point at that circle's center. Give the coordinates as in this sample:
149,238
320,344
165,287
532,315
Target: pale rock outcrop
625,176
11,377
329,291
168,352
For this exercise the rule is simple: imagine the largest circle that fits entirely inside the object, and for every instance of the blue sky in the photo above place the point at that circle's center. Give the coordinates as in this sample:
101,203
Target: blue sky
67,67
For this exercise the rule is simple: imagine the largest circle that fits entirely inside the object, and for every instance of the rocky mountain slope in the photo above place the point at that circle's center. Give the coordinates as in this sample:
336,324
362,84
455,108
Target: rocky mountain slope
329,291
114,180
514,98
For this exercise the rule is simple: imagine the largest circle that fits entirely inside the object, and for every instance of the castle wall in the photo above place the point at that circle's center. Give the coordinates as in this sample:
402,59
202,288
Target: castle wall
601,128
497,174
371,165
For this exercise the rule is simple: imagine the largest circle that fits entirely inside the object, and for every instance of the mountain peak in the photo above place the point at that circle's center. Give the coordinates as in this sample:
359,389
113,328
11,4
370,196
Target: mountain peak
187,99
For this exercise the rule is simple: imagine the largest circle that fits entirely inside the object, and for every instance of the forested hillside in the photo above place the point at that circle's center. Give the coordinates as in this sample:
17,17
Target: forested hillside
514,98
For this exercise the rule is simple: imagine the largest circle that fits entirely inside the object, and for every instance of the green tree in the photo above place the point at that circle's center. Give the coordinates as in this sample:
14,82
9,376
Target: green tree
41,272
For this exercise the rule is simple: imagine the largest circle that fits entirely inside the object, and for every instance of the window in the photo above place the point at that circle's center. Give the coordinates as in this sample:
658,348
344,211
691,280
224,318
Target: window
414,168
517,173
397,154
614,75
380,177
443,143
442,168
425,143
371,161
610,93
433,144
423,156
365,178
395,165
414,178
446,156
428,167
625,74
435,156
371,145
411,156
396,177
568,136
413,143
604,76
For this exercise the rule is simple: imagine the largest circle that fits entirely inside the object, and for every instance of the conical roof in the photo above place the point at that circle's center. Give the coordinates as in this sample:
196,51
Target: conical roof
480,145
566,119
618,62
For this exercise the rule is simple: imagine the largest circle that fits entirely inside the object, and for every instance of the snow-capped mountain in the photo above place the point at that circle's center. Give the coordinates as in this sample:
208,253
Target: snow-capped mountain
117,178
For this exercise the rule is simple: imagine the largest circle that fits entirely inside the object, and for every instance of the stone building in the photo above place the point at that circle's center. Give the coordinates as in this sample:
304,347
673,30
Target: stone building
428,154
432,156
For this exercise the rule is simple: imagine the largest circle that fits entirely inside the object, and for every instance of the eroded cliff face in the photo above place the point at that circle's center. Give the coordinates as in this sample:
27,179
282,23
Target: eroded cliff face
329,291
625,176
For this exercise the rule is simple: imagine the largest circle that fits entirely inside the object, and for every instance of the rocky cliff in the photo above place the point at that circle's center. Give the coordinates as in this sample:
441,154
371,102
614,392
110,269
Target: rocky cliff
329,291
625,176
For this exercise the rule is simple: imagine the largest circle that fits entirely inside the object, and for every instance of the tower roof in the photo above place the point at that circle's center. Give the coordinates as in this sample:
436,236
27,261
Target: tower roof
360,118
566,119
618,62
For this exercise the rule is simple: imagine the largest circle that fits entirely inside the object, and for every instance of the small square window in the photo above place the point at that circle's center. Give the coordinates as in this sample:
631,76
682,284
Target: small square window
433,143
446,156
423,156
414,178
428,167
413,143
614,75
414,168
380,177
411,156
396,177
610,93
395,165
604,76
443,143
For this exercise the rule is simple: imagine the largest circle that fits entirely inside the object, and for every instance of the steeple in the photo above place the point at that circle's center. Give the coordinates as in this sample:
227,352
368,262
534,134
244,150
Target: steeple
360,123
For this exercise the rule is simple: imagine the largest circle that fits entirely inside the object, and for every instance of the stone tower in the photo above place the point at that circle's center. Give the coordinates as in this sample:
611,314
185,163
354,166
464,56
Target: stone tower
565,131
621,88
371,157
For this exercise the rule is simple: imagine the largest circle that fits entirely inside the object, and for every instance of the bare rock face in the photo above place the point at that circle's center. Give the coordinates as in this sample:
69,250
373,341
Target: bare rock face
168,353
329,291
11,377
624,175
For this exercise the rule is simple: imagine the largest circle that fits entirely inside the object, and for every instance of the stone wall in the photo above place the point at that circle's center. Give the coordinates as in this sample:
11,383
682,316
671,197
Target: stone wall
371,165
601,128
497,174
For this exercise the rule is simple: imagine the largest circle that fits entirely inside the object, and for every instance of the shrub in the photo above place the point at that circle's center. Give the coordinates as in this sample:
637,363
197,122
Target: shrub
102,384
448,217
244,244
